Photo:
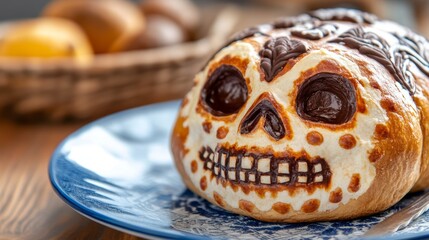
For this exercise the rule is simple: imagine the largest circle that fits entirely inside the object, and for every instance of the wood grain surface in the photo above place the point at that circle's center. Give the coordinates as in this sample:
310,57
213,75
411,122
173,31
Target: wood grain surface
29,208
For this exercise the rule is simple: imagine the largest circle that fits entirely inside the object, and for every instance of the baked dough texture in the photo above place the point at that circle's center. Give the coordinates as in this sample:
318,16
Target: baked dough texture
323,116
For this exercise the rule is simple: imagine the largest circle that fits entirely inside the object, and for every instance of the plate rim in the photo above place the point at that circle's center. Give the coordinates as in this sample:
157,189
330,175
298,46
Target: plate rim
146,231
103,219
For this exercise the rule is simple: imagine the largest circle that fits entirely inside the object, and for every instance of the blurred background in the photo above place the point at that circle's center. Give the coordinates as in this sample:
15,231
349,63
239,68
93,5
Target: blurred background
82,59
410,13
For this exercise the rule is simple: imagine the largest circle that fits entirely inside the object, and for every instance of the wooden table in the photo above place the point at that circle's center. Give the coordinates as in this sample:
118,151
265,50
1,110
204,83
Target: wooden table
29,208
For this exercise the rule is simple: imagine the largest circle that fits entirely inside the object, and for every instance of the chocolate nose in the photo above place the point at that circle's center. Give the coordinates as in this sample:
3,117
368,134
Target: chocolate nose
273,124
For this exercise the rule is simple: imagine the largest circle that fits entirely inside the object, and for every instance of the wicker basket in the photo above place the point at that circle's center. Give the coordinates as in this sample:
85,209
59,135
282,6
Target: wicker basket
58,90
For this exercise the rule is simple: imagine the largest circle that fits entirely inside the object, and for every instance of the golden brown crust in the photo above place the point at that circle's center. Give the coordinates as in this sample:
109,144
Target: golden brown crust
422,102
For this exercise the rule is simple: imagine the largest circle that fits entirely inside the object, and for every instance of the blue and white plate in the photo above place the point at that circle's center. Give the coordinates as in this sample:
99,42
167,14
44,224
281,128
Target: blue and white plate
118,171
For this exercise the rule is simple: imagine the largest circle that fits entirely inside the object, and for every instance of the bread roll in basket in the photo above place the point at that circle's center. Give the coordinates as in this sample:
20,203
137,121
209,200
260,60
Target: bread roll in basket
58,89
323,116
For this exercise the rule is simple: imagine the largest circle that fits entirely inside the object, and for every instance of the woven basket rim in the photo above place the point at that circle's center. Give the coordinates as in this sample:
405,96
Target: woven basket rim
218,33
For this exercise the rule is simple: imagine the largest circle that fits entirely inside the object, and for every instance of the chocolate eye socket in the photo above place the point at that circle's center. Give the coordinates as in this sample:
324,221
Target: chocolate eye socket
326,97
225,92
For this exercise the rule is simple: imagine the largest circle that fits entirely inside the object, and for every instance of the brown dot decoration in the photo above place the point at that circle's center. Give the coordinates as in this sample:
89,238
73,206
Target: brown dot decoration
246,205
310,206
225,92
361,107
354,184
374,155
203,183
281,208
314,138
374,84
207,127
222,132
381,132
194,166
219,199
326,98
336,196
388,105
347,141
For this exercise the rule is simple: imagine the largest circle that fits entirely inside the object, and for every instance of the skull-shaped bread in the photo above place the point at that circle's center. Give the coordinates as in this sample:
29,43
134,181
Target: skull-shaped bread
319,117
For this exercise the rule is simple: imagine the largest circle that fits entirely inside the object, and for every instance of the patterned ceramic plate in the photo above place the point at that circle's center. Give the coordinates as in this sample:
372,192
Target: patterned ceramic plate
119,171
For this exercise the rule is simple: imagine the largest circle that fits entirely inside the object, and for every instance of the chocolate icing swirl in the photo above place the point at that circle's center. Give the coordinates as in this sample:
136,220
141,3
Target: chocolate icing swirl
396,58
314,31
276,53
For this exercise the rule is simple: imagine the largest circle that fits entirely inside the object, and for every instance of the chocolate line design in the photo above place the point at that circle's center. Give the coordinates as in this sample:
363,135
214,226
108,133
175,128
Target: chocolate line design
276,53
395,59
410,49
314,31
243,168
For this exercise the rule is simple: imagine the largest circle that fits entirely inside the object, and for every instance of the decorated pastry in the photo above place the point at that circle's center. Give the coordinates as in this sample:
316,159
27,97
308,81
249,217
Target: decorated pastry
323,116
107,23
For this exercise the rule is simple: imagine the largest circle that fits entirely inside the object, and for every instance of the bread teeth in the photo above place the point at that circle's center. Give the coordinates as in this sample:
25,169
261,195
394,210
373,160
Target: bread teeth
224,164
264,165
302,179
302,167
317,168
232,161
223,159
247,162
318,178
252,177
283,179
216,157
205,153
216,170
265,179
209,165
231,175
283,168
242,176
